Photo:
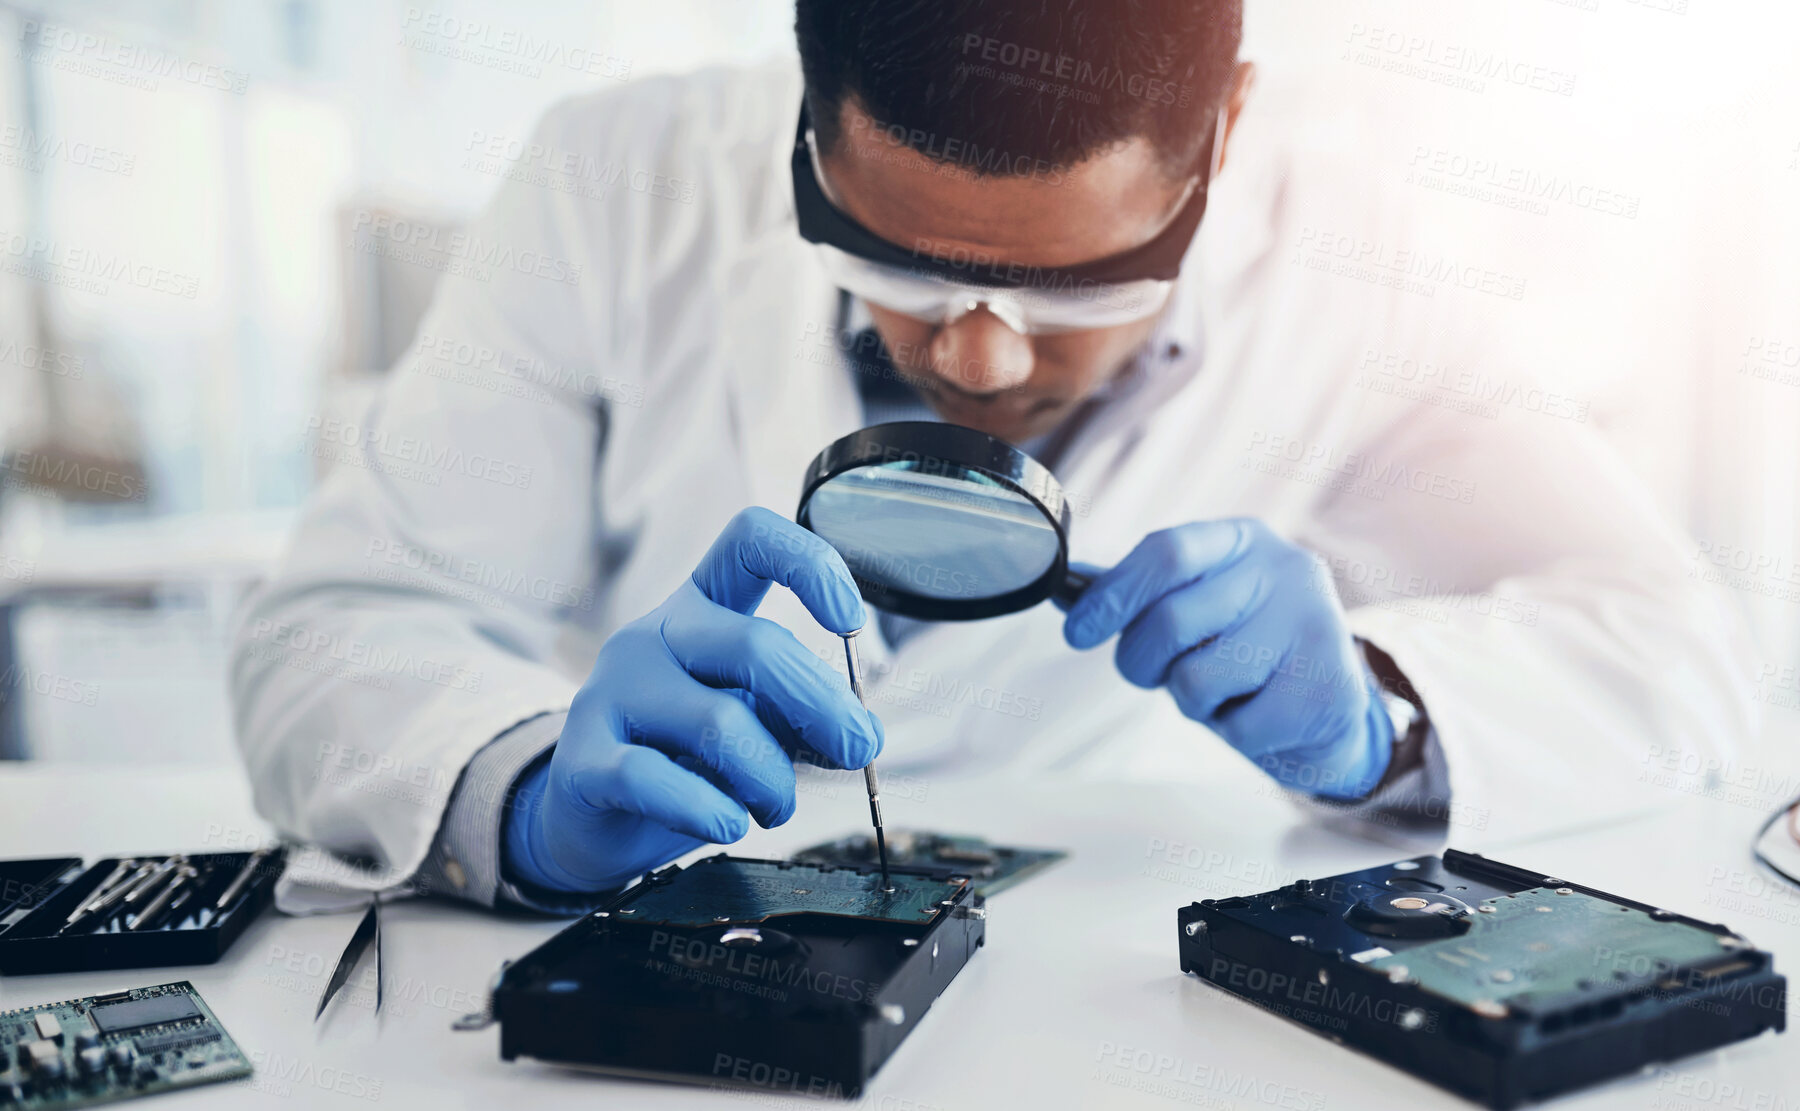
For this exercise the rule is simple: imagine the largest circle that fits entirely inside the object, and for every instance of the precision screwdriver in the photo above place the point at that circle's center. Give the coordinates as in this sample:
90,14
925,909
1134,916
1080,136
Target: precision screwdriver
154,908
242,879
106,888
854,664
154,880
118,891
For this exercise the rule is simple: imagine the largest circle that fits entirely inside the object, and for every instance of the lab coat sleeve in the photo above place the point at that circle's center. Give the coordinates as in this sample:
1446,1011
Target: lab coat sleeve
415,615
465,858
1475,525
1541,606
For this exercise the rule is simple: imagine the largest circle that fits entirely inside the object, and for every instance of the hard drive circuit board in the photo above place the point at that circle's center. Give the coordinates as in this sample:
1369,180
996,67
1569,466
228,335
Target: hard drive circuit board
102,1048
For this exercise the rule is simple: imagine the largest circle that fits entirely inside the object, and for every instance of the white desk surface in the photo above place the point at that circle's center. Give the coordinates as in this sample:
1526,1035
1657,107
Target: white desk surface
1079,978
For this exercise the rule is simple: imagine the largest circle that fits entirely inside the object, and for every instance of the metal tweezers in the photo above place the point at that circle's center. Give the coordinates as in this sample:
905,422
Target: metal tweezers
368,930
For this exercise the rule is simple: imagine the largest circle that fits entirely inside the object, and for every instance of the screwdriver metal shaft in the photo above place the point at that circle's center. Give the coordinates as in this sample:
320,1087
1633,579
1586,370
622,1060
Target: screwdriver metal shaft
853,663
87,905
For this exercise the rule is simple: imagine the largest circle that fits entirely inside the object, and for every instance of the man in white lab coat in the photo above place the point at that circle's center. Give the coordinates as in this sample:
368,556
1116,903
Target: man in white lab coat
516,650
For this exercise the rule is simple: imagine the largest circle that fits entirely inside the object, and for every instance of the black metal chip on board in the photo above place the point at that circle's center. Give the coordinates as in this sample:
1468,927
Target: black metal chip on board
111,1018
112,1047
994,868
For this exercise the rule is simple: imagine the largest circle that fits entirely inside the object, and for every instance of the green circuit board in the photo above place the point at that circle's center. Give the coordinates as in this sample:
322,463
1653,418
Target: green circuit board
102,1048
718,890
994,868
1539,942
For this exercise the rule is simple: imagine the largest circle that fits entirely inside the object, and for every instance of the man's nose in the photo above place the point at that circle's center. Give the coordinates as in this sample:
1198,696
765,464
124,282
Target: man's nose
979,353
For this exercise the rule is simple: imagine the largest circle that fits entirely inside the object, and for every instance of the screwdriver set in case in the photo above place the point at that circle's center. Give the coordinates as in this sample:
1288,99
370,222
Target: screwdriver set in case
60,915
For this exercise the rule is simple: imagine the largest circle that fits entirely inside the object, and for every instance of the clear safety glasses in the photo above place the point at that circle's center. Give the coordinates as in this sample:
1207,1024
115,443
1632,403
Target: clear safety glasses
1025,309
940,288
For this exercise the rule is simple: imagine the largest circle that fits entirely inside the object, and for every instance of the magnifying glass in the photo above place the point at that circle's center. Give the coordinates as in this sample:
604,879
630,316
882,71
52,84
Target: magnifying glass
942,522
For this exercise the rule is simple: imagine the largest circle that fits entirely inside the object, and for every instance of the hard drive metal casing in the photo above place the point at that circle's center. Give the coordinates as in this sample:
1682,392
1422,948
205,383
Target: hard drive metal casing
1499,984
775,976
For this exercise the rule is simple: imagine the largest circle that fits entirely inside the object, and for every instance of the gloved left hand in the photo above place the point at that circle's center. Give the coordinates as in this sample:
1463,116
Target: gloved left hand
1246,631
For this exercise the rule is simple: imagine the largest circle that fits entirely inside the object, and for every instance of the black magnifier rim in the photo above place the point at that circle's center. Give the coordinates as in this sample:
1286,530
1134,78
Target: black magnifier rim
966,448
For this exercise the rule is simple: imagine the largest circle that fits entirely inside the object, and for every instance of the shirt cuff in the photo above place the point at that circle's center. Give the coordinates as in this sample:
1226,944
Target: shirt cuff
1417,789
1420,796
464,861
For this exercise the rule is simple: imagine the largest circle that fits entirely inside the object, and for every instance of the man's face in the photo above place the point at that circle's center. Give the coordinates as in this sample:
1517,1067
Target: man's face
975,370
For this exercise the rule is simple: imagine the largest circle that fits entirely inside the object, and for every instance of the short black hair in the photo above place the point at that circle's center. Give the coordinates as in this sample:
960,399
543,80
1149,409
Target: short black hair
997,85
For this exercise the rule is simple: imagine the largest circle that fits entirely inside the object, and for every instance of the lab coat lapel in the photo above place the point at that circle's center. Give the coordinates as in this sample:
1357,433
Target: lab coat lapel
790,395
790,392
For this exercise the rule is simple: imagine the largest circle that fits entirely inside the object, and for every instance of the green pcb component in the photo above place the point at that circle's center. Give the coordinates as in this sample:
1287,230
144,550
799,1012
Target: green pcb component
104,1048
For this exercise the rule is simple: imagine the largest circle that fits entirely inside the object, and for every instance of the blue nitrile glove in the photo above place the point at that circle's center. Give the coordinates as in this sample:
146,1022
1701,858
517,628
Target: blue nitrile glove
681,734
1246,631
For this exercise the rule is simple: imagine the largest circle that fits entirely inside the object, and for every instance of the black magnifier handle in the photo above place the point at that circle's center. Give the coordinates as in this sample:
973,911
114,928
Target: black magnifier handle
1074,584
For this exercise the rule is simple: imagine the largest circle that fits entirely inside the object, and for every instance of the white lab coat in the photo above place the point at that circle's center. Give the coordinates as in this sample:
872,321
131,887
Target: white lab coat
1543,610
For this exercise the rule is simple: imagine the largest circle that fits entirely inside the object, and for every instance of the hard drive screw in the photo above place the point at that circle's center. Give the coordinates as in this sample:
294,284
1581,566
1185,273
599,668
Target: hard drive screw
603,914
1398,974
1412,1018
721,918
1194,927
629,910
910,942
1486,910
1487,1008
1565,891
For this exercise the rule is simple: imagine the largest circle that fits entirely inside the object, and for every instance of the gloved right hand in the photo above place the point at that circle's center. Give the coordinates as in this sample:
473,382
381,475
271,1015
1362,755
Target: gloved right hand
683,731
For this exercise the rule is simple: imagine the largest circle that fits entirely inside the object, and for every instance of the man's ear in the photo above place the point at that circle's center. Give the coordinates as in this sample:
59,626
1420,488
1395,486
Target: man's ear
1242,80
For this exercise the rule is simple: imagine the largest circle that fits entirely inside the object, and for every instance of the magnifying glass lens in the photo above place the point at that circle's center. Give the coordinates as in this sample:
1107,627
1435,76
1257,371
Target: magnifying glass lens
951,533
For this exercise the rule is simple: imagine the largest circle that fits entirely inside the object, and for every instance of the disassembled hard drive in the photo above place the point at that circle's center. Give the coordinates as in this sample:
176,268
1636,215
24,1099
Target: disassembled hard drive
102,1048
773,975
1500,984
994,868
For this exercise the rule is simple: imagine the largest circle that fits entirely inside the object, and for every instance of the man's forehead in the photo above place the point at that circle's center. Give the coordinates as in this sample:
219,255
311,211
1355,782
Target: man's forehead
1038,214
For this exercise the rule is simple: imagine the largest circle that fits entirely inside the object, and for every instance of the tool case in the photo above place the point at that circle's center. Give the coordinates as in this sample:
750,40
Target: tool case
37,897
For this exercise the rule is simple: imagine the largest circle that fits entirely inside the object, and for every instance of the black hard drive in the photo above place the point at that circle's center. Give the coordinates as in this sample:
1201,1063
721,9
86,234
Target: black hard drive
1499,984
782,977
